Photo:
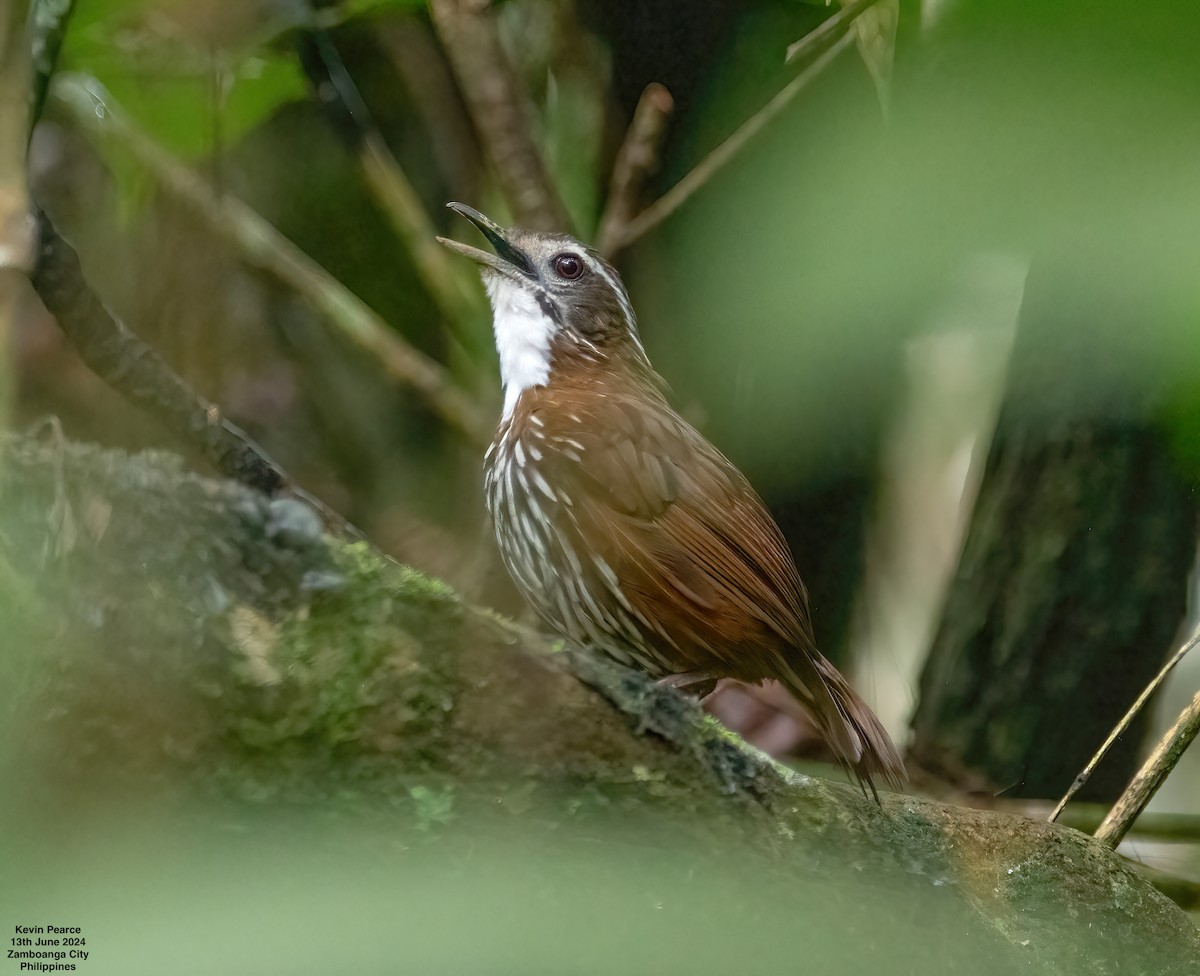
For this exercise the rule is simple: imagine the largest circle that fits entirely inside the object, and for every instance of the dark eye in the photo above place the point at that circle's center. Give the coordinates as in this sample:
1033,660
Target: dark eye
569,266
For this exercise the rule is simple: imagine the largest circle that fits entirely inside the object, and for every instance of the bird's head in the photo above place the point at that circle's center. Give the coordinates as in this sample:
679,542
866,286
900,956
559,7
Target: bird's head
555,302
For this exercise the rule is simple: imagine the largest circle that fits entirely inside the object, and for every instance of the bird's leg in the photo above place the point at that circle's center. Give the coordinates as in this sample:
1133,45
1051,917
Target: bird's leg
699,684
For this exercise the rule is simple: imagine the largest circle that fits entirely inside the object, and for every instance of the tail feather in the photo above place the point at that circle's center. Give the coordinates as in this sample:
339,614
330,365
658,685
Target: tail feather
846,722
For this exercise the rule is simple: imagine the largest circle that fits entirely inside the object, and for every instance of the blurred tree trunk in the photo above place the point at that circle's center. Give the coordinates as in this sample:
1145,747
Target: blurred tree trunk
1073,581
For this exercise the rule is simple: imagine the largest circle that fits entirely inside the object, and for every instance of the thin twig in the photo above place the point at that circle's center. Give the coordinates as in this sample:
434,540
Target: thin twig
828,31
457,297
637,160
500,111
422,69
460,303
1086,773
262,246
130,366
682,191
1179,828
1151,776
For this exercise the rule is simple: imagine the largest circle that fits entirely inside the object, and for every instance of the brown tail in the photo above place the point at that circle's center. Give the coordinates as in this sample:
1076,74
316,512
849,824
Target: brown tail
845,721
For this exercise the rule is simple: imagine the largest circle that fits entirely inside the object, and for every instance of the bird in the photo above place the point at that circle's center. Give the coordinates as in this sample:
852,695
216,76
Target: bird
620,524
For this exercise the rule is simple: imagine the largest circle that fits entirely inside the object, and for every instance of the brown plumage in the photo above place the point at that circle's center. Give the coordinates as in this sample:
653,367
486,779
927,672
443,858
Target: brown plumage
621,525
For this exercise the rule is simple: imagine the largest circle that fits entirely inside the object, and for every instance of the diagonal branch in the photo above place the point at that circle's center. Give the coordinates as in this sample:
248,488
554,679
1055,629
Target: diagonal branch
263,247
128,364
499,110
716,160
1127,720
820,38
636,162
1151,776
131,367
422,69
456,296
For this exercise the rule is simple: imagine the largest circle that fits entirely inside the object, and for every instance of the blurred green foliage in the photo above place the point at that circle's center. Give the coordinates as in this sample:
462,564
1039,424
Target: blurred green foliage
192,75
1044,131
317,893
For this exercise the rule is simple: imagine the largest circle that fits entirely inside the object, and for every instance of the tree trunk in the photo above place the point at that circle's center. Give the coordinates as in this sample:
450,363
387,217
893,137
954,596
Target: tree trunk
1071,588
1073,581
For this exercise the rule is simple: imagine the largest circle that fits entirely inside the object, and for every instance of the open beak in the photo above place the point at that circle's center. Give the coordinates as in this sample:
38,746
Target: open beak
508,260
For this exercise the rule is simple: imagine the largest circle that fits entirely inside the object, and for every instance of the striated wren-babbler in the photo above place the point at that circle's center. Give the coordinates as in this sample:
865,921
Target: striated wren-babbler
621,525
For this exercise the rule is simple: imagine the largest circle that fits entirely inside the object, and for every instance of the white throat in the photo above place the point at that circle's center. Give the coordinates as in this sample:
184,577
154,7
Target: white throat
523,334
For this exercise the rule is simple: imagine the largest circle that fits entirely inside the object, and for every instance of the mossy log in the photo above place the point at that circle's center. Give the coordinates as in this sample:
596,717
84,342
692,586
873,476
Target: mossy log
285,748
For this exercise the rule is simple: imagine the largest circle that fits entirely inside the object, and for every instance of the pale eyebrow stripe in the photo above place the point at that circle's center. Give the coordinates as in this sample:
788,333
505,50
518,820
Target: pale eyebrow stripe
622,298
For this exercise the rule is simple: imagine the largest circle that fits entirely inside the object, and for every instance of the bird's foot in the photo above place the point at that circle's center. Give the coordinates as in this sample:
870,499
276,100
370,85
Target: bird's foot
698,684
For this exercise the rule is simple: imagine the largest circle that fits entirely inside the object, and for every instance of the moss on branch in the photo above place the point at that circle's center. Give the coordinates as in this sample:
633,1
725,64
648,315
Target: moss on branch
185,643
